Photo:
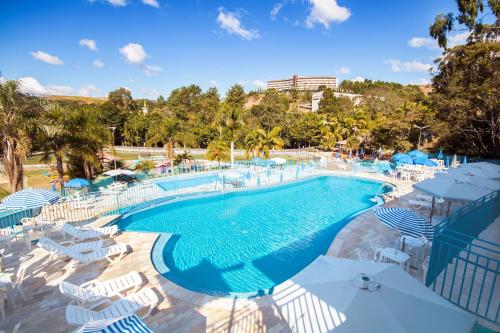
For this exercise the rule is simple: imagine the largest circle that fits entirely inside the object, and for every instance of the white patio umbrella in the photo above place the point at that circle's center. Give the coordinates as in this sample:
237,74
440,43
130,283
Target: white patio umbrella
118,172
483,169
278,160
487,183
452,189
327,297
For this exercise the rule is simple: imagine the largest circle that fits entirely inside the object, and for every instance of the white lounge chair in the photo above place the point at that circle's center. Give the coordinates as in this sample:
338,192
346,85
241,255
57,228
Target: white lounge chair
79,258
143,299
95,290
88,233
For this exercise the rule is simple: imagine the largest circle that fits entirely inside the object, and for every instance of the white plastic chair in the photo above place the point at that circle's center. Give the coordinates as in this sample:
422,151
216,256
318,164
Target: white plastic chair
95,290
143,299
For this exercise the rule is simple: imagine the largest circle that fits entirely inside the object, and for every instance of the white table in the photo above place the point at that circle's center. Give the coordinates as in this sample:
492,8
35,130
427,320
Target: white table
415,247
390,254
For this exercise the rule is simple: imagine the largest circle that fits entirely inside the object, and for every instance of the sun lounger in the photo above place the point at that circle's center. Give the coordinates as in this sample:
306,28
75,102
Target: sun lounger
96,290
88,233
81,259
144,299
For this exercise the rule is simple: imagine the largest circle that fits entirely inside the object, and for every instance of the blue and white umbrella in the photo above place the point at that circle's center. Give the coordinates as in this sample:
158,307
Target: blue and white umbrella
30,198
402,158
130,324
408,222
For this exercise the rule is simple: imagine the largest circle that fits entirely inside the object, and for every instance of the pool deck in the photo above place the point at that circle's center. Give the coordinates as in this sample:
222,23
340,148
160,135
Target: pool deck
179,310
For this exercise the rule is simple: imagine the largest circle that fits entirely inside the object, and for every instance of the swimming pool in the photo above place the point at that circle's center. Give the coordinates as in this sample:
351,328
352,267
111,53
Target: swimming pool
245,242
172,184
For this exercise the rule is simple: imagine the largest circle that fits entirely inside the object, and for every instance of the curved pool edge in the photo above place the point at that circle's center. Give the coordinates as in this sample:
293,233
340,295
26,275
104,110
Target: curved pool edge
157,248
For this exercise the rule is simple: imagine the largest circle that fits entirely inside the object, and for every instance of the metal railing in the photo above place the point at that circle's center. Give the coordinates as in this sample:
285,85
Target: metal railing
85,206
464,268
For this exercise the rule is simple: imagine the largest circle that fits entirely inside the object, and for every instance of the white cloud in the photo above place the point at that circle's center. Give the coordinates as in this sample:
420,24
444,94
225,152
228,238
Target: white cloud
325,12
275,11
260,84
430,43
458,39
152,3
98,63
408,66
89,43
118,3
232,24
417,42
88,90
358,79
151,70
2,79
344,70
45,57
213,83
30,85
134,53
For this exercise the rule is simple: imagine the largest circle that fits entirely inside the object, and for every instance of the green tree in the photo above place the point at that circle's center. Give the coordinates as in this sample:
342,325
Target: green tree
467,82
18,112
230,121
235,97
163,130
218,150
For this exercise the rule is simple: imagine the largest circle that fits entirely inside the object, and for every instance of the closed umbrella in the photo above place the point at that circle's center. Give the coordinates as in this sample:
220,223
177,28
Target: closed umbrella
440,154
332,295
30,198
77,183
465,160
447,162
406,221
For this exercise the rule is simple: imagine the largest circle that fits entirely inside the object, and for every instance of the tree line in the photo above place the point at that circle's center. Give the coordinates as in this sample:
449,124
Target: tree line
461,114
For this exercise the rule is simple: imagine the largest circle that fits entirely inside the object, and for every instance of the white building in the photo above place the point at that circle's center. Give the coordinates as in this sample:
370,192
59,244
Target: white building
316,98
311,83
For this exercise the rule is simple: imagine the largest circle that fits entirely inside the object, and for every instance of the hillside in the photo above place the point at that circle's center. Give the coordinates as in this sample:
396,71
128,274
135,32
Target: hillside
78,99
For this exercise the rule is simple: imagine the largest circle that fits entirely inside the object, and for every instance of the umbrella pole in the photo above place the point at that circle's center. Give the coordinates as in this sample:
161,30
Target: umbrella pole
448,211
432,209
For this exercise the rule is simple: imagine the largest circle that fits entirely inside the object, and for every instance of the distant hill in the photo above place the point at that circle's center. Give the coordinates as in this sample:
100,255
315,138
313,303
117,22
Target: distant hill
78,99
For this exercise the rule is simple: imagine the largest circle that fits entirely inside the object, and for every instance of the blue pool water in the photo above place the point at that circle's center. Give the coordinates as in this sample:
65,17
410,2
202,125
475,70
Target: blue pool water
249,241
175,184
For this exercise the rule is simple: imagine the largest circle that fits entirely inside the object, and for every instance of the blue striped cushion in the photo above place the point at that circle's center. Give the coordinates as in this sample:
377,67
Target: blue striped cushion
130,324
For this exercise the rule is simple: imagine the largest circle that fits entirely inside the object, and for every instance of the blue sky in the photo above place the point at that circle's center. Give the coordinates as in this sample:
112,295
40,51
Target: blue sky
82,47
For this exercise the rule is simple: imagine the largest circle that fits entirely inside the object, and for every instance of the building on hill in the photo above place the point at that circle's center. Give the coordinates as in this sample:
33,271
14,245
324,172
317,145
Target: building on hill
311,83
316,98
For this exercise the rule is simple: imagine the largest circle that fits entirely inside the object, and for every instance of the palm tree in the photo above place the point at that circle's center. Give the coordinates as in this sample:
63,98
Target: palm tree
270,140
163,131
56,137
252,141
218,151
185,156
16,115
145,166
230,121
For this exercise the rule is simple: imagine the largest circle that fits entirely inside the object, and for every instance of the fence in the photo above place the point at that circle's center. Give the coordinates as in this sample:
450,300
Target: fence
78,206
464,268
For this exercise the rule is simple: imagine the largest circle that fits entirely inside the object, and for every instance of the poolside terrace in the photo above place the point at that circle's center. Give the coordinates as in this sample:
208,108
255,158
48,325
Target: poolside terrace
179,310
